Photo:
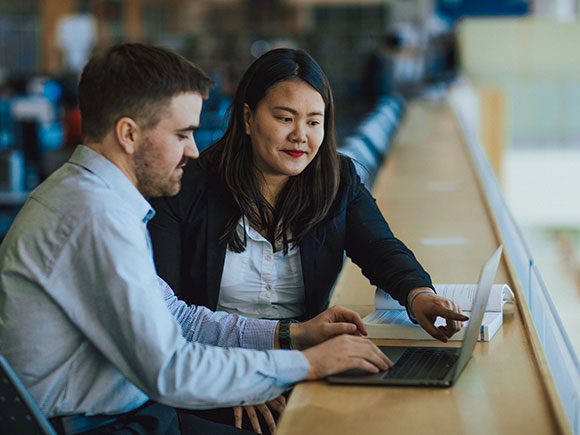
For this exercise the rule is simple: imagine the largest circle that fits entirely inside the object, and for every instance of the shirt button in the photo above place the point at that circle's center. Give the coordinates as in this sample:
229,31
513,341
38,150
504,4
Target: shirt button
268,258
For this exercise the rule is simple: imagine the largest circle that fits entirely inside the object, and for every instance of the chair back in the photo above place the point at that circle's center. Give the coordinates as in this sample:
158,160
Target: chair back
19,413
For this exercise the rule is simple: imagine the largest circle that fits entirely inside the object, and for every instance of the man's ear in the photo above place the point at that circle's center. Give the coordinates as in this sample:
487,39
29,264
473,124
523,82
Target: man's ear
128,134
247,118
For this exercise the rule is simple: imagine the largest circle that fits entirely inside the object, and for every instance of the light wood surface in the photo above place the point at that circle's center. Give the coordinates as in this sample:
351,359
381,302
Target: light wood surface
428,191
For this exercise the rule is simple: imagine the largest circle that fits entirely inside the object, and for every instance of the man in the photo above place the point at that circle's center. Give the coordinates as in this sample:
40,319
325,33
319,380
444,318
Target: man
98,339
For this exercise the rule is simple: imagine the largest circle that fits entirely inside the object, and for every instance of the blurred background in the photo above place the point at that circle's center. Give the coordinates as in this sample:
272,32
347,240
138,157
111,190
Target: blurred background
521,57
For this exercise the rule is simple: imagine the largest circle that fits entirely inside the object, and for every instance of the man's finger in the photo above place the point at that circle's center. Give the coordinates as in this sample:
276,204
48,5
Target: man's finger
366,366
368,351
352,317
340,328
381,360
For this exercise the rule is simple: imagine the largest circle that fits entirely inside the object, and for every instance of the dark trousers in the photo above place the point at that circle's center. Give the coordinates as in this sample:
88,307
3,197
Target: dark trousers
225,416
156,419
193,425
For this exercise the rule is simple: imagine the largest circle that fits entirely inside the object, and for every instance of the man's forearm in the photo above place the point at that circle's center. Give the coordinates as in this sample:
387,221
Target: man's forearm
205,326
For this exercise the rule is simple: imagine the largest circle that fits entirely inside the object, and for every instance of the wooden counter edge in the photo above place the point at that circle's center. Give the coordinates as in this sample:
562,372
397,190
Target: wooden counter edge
529,326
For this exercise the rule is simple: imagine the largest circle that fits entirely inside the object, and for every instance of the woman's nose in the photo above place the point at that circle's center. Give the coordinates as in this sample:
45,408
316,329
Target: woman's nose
298,134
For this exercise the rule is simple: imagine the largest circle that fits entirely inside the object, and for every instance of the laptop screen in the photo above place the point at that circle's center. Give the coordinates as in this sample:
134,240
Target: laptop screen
483,290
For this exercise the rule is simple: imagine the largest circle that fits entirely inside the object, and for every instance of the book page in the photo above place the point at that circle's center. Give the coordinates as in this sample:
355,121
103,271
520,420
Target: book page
395,324
396,318
461,293
385,317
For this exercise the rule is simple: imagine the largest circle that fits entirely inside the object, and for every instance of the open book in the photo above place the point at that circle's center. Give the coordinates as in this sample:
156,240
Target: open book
390,319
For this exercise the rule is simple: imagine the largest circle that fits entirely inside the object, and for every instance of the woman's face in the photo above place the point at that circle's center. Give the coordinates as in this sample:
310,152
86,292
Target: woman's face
286,129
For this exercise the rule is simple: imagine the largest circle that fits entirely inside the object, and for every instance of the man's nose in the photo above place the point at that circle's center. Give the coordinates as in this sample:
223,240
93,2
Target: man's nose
191,150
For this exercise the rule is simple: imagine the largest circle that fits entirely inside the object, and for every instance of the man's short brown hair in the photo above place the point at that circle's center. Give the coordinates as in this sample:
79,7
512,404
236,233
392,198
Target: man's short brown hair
137,81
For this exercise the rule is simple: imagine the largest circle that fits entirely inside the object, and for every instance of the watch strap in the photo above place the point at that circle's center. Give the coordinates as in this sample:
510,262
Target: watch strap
284,333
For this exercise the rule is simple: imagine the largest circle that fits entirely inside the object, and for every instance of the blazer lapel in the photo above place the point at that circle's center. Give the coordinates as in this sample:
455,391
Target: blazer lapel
220,206
308,258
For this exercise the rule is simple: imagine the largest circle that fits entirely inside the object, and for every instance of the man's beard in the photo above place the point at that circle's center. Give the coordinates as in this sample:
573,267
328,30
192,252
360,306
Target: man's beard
153,181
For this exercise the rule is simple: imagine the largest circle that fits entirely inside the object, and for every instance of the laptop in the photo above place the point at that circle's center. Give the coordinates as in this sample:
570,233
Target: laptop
437,366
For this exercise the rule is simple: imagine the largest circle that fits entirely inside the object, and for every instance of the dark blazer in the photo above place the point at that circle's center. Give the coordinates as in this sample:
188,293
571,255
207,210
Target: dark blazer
188,254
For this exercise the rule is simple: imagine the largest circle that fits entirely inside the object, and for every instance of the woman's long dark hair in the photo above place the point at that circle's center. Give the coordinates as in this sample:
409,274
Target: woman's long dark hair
306,198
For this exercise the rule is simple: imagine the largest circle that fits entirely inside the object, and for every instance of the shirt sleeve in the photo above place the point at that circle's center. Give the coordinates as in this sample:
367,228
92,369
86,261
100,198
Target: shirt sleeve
116,303
202,325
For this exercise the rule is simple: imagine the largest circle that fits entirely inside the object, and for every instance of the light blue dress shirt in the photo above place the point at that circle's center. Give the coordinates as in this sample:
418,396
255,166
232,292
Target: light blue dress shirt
84,319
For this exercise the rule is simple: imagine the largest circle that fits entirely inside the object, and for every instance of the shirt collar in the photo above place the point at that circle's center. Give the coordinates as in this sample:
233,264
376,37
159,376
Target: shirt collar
244,225
114,178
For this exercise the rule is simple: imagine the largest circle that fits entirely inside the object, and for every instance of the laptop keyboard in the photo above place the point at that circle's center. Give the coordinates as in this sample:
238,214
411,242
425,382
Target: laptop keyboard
422,363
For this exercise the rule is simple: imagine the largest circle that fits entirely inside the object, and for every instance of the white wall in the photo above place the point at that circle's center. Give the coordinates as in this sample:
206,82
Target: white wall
542,187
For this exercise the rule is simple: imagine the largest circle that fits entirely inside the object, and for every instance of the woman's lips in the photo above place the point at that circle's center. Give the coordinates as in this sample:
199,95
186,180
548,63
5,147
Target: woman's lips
295,154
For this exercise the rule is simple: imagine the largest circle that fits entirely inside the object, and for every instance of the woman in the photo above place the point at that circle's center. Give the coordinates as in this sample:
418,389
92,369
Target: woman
266,214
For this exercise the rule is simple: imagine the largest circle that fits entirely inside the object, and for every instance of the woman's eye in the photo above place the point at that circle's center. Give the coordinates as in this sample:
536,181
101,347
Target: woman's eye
284,118
182,136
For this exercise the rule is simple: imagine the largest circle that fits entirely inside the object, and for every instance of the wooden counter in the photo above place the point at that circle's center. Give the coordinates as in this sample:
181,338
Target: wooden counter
430,194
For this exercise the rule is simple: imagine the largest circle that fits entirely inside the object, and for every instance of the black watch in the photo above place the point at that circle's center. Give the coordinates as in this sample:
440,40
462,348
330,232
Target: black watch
284,333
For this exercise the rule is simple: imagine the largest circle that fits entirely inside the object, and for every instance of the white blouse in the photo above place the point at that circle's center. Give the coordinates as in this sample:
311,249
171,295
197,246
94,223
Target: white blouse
259,282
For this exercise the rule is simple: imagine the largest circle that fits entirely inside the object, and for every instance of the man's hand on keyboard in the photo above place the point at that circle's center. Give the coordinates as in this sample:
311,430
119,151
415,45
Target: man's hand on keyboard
342,353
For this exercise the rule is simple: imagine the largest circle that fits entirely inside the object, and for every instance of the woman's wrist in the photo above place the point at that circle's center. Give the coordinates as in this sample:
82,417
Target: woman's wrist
413,295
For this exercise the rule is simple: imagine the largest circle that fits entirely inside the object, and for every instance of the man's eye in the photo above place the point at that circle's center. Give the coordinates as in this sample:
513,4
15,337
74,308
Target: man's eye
182,136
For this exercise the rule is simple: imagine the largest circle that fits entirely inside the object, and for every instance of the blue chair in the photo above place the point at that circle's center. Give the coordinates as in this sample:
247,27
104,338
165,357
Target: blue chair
19,413
371,143
377,136
365,160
